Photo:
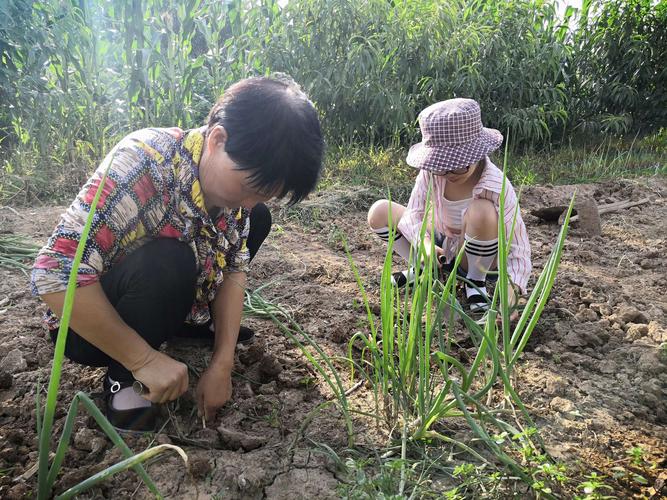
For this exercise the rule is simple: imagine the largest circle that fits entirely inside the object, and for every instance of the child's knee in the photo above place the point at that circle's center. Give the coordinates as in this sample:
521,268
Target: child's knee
481,213
378,214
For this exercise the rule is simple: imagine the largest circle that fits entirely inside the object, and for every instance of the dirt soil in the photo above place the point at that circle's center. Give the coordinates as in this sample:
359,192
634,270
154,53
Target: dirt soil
594,375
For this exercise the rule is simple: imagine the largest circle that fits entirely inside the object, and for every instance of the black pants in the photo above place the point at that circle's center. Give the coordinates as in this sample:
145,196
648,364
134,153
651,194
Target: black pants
152,290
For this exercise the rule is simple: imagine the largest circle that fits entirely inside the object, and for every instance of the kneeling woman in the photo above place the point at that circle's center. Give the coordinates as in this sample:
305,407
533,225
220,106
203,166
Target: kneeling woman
178,222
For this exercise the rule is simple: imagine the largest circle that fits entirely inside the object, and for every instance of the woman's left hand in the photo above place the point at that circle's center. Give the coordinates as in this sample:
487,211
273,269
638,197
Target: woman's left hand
214,389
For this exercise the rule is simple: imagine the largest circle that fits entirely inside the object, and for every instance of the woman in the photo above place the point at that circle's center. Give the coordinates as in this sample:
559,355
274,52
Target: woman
180,217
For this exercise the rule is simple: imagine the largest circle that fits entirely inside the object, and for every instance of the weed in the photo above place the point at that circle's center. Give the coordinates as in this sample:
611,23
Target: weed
593,488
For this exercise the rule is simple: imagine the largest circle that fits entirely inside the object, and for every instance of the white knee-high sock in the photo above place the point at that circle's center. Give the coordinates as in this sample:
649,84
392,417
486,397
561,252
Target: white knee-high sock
401,245
480,254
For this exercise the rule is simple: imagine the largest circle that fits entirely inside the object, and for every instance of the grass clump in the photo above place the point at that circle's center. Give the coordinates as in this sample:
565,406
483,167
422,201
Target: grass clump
607,160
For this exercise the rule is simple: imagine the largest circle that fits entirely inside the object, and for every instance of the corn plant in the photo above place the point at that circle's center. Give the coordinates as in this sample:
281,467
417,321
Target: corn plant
47,475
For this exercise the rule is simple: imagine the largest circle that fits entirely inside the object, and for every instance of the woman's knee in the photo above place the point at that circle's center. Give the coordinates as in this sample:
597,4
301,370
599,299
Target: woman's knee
260,226
169,263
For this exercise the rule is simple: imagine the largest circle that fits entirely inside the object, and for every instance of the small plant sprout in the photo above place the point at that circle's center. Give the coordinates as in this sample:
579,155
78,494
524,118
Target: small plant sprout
636,454
593,488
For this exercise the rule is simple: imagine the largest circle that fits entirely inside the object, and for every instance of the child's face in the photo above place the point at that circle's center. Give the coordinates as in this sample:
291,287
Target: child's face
461,175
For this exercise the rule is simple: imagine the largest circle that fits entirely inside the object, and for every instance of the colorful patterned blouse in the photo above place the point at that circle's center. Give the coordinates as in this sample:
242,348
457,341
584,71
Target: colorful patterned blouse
152,191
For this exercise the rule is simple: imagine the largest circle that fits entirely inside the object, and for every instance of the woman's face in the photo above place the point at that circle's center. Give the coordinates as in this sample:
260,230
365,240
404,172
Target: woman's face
222,183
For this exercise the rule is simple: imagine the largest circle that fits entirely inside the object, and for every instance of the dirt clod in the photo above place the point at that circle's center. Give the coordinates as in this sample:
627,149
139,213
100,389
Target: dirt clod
586,315
86,439
200,467
13,362
629,314
251,354
636,331
5,380
18,492
207,437
234,440
270,368
270,388
656,333
303,483
561,404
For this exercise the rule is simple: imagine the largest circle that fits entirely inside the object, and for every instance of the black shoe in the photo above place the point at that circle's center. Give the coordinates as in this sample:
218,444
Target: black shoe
402,278
478,302
142,419
204,335
246,335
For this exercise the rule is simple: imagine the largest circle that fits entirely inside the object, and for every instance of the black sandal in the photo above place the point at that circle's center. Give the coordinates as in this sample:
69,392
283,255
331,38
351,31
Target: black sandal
133,420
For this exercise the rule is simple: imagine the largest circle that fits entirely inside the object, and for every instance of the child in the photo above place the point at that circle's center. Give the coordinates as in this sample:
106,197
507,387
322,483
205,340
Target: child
178,222
465,198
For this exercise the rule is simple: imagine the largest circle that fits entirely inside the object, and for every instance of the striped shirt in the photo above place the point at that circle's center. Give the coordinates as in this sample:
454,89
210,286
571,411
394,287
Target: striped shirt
152,191
488,187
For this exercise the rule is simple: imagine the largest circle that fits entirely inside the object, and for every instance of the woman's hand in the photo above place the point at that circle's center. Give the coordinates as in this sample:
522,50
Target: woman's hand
213,390
165,378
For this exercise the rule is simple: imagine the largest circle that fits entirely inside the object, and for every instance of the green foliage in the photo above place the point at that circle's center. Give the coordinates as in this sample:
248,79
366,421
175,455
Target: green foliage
364,485
609,159
594,488
620,52
74,75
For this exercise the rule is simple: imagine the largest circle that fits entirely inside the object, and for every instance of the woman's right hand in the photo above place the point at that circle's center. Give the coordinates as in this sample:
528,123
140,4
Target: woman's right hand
165,378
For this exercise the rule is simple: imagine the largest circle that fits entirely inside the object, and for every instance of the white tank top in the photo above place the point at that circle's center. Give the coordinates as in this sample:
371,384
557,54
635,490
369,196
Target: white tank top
453,215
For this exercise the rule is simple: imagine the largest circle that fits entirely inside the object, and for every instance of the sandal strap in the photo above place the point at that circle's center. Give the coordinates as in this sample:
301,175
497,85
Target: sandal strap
400,279
142,419
478,298
110,388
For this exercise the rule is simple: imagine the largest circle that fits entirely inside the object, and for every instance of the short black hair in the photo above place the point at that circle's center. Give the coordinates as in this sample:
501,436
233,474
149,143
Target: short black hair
273,131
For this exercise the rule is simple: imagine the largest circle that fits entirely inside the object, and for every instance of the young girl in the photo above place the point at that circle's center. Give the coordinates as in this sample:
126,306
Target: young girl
178,222
465,196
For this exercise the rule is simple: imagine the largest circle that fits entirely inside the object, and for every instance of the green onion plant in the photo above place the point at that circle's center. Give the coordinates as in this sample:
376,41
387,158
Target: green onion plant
409,360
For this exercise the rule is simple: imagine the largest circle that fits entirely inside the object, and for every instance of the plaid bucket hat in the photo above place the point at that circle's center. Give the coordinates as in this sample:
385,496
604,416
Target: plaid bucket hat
453,137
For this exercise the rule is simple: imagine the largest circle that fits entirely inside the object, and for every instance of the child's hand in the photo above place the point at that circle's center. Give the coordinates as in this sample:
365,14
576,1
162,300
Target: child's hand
513,301
439,254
